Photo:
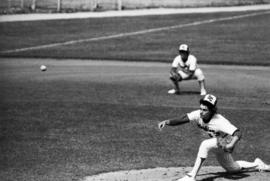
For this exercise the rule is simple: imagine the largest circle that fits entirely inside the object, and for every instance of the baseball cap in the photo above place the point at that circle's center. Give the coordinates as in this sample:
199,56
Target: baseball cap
209,99
184,47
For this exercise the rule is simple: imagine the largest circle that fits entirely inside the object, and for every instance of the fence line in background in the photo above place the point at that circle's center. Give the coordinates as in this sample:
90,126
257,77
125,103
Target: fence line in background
13,6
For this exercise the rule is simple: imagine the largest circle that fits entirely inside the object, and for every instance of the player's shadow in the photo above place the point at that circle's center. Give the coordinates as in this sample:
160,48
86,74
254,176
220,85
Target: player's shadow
231,176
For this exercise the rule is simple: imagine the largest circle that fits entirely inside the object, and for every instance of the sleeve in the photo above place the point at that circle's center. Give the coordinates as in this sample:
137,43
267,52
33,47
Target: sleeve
194,116
176,62
226,127
192,63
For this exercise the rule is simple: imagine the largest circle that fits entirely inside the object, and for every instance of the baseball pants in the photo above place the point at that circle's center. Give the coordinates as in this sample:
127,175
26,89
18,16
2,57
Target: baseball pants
198,74
225,159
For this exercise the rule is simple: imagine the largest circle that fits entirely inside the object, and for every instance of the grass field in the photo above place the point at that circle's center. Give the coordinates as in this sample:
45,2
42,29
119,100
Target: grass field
231,41
82,117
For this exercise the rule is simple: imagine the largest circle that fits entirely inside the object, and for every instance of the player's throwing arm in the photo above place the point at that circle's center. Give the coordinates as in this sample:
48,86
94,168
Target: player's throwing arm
224,136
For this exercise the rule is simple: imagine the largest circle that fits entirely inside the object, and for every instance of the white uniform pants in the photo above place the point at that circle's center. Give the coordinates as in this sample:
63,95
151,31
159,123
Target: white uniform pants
198,74
225,159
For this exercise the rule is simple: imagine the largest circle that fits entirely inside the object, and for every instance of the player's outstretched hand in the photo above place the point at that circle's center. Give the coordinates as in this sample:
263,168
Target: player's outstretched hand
161,125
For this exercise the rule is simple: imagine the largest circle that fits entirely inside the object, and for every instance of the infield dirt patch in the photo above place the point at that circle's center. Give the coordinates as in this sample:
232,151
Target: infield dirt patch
209,173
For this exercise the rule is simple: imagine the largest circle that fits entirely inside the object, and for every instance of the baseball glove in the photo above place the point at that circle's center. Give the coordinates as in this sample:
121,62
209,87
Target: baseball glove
175,76
222,143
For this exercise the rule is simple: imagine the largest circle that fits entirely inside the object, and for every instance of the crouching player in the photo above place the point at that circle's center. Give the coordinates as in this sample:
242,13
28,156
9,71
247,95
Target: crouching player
219,129
184,67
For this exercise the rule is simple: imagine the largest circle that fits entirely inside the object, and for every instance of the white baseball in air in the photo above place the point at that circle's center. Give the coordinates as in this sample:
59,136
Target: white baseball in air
43,68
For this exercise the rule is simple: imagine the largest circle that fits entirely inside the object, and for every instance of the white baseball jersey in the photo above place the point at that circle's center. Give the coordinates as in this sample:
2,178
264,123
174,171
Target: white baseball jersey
217,126
190,64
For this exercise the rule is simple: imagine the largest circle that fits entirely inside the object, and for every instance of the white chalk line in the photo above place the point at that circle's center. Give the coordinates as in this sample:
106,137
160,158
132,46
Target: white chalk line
133,33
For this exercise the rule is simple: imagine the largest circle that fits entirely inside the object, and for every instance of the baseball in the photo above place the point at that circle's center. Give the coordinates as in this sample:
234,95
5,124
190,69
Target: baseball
43,68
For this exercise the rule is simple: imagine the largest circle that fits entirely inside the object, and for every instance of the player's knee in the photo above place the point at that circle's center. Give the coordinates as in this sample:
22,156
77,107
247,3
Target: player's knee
232,167
201,78
205,145
204,149
199,75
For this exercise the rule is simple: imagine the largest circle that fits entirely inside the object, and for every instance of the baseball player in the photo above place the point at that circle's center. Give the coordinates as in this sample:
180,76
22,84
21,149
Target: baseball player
223,138
184,67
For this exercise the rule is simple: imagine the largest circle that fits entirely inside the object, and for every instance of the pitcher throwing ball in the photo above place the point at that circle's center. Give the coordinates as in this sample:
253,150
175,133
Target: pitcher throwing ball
223,138
184,67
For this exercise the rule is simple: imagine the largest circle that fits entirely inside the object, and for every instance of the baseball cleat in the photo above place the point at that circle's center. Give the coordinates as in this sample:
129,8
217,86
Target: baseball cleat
173,91
262,167
187,178
203,92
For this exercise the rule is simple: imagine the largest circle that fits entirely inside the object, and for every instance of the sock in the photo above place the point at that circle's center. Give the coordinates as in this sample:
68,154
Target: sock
198,163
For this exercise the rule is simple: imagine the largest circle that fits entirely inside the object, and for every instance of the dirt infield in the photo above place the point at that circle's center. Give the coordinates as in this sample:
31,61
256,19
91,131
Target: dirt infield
208,173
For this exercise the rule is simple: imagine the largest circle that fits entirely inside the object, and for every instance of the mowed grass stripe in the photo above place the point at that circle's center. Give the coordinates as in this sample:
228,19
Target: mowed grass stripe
120,35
